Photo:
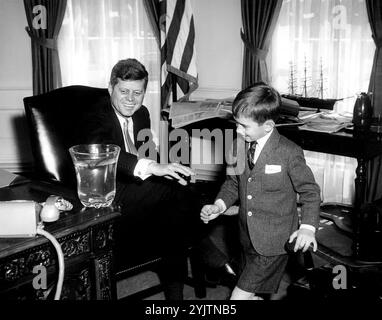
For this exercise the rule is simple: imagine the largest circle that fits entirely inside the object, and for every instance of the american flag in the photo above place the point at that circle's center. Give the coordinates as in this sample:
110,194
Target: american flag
177,50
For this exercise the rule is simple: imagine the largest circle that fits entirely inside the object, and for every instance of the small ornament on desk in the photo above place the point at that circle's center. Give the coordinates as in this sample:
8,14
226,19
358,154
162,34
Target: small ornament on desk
50,211
363,112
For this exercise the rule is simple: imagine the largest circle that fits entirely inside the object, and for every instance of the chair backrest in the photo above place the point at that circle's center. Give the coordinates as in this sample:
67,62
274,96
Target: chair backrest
54,121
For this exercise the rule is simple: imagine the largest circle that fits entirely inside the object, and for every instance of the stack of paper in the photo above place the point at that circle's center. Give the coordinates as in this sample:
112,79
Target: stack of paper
328,122
184,113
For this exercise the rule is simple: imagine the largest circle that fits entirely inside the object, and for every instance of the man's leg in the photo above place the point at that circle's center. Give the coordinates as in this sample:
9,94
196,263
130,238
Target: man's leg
166,217
172,274
158,217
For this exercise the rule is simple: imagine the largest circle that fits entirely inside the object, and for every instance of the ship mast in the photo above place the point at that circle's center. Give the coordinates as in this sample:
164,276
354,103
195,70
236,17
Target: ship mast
292,79
321,92
305,79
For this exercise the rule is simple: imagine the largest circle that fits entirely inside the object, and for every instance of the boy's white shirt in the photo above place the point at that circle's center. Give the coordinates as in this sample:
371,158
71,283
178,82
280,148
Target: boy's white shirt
259,147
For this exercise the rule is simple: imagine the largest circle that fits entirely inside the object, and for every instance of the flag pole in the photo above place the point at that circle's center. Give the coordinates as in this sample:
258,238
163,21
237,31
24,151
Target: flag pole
173,87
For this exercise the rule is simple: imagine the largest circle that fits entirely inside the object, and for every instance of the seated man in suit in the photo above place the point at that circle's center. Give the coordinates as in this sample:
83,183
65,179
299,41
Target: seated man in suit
158,215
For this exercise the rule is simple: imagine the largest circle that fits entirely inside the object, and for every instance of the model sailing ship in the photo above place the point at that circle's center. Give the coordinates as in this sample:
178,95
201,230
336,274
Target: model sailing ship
302,99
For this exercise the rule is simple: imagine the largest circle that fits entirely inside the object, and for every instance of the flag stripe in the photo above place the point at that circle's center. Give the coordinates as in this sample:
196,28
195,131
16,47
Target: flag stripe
178,61
183,84
188,52
162,8
174,29
181,41
165,91
162,27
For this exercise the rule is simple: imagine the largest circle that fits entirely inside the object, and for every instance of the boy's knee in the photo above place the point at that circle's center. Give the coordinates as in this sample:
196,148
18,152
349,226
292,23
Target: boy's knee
239,294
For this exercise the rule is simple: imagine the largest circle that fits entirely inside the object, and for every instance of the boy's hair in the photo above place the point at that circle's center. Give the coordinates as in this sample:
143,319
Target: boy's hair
258,102
128,69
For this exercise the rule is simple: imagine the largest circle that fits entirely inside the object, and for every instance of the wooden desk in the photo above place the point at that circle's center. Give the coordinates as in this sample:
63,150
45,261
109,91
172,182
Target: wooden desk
363,146
86,238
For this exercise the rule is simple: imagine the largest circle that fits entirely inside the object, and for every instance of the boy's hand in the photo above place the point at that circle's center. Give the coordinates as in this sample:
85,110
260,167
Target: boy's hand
210,212
305,238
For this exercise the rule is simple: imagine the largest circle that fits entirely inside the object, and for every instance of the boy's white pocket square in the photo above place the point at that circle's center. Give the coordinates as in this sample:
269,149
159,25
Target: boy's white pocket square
272,168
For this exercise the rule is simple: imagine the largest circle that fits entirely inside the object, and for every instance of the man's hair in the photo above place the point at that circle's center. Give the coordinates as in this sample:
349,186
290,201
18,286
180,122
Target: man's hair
258,102
128,69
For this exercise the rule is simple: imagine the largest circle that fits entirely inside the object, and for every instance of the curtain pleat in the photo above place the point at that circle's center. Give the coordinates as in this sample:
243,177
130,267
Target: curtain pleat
152,10
45,60
374,12
259,19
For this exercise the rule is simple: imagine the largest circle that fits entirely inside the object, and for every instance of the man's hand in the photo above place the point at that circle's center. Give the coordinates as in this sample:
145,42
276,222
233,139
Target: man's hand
210,212
170,171
305,238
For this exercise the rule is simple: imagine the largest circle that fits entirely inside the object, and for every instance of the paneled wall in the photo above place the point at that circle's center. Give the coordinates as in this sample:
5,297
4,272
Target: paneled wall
15,84
15,152
219,48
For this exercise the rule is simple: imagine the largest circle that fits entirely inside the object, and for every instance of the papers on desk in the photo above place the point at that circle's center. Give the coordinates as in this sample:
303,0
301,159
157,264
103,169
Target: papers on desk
324,121
301,118
184,113
328,122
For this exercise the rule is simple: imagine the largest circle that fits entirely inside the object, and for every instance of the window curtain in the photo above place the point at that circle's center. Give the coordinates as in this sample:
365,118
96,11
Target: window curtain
97,34
374,11
335,37
258,18
44,22
152,10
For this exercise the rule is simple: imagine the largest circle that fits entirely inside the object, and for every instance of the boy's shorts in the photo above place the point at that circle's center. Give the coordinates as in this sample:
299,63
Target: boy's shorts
260,274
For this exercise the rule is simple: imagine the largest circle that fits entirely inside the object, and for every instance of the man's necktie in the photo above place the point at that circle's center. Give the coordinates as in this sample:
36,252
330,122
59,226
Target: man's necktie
130,144
251,154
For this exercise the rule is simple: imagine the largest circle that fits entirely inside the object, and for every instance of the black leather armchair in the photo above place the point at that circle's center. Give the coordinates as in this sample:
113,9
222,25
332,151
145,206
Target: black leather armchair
54,120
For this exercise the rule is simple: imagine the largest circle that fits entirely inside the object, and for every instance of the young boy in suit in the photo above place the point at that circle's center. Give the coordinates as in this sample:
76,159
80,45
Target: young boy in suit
274,173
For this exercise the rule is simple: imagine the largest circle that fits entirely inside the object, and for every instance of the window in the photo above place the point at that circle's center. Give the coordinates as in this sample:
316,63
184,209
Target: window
332,36
95,34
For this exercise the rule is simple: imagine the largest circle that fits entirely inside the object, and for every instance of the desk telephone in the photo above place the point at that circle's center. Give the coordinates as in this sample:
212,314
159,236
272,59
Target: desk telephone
20,219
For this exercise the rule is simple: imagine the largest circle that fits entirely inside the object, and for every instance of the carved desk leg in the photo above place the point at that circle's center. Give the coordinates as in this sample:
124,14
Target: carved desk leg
102,246
103,279
360,189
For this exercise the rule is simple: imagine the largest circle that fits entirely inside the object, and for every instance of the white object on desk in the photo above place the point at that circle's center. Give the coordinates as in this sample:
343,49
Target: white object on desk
18,218
49,211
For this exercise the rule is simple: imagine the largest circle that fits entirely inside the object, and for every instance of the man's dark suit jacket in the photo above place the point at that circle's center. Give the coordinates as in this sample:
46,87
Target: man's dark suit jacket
268,195
102,126
139,204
